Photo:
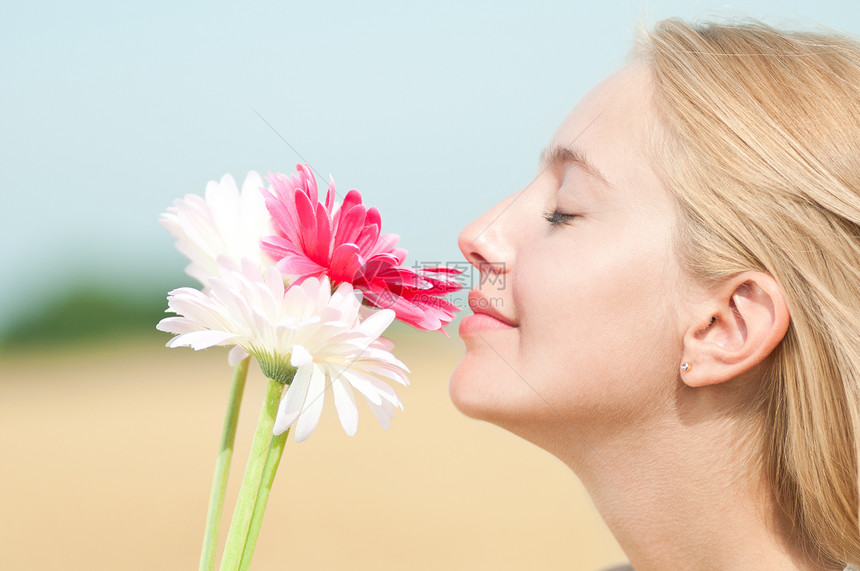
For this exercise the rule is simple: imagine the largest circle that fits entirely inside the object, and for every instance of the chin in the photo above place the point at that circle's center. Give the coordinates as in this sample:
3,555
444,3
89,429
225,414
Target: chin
466,391
495,396
500,397
476,392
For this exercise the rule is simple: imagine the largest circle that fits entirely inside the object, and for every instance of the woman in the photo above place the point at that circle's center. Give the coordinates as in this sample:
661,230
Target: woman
672,306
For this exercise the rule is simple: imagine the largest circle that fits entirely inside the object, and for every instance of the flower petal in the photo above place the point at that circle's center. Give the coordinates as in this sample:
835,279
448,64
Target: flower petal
198,340
350,221
236,355
299,266
321,248
344,403
310,415
345,263
307,223
291,403
383,412
299,357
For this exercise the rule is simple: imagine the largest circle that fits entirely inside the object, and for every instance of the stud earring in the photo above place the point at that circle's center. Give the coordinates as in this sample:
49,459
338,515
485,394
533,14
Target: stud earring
685,366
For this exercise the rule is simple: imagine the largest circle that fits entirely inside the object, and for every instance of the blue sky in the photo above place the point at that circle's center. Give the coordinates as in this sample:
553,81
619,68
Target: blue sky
109,111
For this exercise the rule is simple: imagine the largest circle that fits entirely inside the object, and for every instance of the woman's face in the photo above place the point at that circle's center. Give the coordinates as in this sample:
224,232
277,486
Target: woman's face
579,270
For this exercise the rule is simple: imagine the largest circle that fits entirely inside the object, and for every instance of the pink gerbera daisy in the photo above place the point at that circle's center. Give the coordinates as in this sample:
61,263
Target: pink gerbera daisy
344,242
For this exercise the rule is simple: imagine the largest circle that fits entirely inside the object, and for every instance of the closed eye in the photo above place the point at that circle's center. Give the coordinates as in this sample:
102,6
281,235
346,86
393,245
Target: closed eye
556,218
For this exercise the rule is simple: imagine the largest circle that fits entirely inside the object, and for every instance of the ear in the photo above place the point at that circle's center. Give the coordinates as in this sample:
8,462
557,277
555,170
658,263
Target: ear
735,329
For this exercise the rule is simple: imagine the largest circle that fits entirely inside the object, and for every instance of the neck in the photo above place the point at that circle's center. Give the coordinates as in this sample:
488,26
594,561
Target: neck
684,494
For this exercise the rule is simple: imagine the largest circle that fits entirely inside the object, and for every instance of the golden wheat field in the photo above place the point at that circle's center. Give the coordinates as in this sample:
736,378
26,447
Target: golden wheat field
107,456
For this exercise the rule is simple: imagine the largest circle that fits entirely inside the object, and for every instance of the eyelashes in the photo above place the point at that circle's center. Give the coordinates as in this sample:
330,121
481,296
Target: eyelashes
556,218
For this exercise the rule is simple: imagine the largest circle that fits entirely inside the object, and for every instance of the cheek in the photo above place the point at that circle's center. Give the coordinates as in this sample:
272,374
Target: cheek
597,334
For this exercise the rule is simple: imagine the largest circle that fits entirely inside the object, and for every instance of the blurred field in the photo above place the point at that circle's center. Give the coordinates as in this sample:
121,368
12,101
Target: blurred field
108,449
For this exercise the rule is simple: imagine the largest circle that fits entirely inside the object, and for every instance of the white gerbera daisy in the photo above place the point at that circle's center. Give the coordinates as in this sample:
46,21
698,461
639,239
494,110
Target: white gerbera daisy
305,336
224,223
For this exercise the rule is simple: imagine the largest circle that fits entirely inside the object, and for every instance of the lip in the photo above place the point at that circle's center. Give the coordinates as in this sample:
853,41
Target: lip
486,316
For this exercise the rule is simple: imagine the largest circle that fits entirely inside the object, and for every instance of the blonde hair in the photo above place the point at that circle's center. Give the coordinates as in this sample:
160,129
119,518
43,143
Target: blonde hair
759,141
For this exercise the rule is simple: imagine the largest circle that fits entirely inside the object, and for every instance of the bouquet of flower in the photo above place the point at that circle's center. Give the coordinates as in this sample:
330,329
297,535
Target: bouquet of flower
306,288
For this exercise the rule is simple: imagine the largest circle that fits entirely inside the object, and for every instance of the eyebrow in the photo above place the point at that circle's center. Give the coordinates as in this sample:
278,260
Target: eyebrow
559,156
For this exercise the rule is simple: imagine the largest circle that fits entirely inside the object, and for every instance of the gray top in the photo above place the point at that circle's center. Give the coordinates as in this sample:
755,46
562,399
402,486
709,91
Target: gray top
627,567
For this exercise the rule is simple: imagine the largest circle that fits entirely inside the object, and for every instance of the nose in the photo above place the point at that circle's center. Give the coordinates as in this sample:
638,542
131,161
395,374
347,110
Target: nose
487,242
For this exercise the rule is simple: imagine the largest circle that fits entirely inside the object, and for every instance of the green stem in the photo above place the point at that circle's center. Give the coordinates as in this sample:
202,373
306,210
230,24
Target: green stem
276,450
222,466
251,482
